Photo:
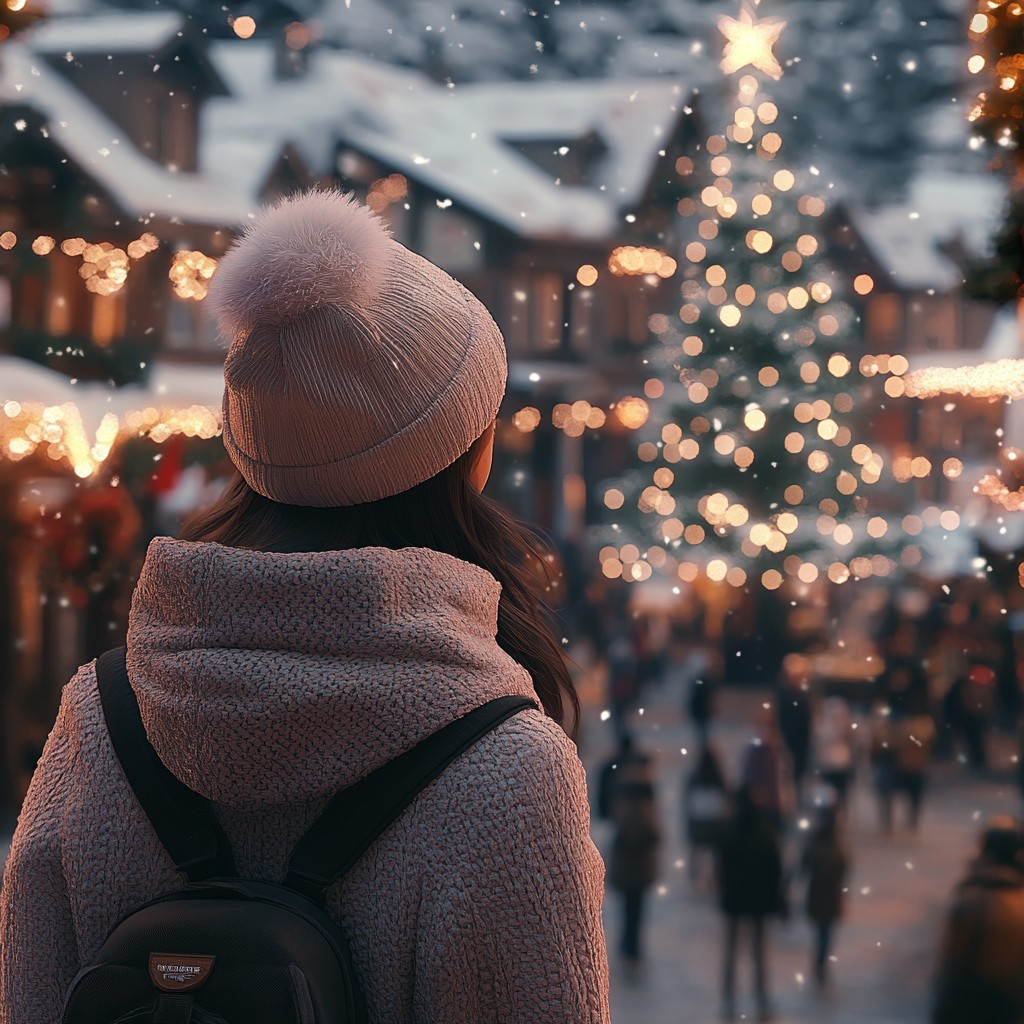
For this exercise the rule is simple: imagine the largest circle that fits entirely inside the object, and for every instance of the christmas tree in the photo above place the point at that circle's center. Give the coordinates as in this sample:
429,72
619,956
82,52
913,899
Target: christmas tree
757,473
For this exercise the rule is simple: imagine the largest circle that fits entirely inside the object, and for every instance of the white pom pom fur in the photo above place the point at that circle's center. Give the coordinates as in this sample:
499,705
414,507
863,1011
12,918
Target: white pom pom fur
308,250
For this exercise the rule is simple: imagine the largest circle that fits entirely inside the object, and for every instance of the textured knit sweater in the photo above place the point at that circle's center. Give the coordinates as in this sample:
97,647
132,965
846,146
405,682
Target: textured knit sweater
267,682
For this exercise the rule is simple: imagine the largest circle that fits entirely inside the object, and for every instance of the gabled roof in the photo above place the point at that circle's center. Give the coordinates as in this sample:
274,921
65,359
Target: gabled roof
457,141
453,140
139,185
906,238
124,32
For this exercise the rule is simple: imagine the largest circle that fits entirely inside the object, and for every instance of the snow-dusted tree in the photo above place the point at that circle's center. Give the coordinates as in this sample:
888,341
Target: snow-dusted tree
757,473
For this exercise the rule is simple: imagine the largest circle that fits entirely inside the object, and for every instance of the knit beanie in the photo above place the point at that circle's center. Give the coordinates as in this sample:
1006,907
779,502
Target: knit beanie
357,369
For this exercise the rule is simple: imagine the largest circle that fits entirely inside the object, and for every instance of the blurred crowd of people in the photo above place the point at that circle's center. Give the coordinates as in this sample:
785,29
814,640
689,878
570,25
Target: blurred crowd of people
945,679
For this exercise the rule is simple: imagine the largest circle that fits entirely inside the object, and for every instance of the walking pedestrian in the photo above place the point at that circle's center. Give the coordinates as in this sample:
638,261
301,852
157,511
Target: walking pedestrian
980,980
351,593
826,864
634,858
902,743
702,707
622,678
613,770
766,769
795,715
833,746
705,809
751,890
969,708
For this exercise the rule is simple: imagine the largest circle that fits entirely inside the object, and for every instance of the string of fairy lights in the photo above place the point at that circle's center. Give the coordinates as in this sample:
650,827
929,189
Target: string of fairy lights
58,430
750,42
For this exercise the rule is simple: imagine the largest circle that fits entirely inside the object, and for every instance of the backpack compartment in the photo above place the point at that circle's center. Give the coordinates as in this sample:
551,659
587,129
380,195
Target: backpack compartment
277,959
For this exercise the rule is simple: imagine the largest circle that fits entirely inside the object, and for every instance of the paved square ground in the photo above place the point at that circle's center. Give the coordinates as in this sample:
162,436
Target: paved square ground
885,945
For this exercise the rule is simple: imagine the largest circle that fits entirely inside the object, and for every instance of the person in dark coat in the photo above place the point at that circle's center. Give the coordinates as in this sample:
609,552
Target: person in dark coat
702,707
826,864
750,889
795,715
980,977
705,808
767,770
634,857
613,770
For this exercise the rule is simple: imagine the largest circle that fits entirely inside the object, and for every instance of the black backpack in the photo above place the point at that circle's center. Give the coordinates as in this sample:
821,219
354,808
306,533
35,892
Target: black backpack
226,950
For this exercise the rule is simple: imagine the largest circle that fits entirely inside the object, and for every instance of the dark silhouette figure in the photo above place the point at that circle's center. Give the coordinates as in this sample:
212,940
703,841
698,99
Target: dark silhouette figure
826,864
702,707
750,879
902,738
634,853
623,678
613,771
795,715
980,980
705,809
969,707
766,769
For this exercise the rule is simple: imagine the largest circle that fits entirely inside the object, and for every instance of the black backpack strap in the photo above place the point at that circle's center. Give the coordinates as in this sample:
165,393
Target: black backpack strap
184,821
357,815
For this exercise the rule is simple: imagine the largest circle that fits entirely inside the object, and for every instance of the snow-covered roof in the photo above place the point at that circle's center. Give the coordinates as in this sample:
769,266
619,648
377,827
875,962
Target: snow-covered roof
906,238
456,141
141,187
170,386
124,32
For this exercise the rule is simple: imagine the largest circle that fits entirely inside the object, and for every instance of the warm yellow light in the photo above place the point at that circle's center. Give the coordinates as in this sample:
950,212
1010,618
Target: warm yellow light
784,180
629,260
750,41
632,412
716,570
976,64
729,315
190,273
244,26
755,419
587,275
526,419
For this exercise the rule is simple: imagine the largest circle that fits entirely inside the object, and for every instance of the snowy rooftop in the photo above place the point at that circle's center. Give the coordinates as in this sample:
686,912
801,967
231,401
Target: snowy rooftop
457,141
124,32
142,188
940,208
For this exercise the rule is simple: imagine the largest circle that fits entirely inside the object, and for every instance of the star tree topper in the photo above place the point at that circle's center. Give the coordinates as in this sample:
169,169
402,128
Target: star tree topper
750,41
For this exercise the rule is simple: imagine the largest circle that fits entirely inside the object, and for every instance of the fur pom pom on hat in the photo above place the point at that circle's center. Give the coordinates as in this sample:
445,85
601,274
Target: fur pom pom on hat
357,369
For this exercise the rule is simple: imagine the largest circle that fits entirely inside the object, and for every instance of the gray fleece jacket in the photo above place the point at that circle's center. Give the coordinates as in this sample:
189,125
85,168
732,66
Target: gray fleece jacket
267,682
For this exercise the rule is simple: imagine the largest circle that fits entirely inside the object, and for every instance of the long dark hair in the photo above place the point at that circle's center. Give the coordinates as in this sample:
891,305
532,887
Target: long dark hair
445,513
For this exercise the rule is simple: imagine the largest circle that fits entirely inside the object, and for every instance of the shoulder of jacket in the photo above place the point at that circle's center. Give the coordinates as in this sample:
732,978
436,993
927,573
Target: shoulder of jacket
528,755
